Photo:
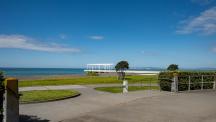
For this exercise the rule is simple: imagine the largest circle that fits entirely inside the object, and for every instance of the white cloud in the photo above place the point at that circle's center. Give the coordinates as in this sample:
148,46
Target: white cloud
96,37
23,42
205,23
202,2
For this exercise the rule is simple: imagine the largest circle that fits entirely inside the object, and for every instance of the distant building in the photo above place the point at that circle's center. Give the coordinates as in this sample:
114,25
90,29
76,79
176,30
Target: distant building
99,67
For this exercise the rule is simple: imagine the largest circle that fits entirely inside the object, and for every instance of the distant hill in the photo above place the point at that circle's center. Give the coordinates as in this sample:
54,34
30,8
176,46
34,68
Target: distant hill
147,68
161,69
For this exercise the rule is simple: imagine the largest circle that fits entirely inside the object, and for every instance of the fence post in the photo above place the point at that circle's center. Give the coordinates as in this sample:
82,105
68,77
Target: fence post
174,85
189,82
202,83
11,102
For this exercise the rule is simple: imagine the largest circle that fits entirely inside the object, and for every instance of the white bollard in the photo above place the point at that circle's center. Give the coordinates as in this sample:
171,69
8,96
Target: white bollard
125,86
174,84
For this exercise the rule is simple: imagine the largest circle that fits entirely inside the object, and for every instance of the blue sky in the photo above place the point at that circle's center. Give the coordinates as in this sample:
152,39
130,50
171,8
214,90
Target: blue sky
146,33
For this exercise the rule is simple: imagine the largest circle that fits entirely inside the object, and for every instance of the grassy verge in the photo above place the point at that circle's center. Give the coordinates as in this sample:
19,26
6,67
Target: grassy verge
46,95
87,80
131,88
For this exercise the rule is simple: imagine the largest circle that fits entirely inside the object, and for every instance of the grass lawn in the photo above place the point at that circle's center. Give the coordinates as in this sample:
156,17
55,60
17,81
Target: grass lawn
130,88
46,95
88,80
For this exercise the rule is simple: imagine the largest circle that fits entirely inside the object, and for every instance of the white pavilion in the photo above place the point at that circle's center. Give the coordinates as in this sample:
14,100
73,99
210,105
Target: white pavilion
109,68
99,67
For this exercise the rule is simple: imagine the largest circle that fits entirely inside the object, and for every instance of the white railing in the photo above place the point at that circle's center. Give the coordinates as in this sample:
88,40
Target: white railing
127,71
202,83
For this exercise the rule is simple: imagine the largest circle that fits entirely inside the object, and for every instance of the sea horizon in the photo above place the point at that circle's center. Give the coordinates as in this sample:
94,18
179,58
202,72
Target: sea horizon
17,72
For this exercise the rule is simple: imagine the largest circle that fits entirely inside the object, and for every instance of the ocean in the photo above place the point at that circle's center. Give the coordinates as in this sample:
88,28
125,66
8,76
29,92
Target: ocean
17,72
22,72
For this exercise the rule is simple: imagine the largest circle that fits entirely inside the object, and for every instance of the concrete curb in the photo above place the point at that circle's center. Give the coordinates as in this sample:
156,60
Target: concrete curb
51,100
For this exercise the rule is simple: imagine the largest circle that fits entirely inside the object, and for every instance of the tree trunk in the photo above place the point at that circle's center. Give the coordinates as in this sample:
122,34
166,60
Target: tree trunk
121,75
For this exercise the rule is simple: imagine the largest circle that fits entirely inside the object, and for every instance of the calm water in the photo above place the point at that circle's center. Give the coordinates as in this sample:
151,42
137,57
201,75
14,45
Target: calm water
16,72
41,71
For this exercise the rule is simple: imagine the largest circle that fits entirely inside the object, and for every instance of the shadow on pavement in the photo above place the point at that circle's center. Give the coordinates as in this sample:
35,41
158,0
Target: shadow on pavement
29,118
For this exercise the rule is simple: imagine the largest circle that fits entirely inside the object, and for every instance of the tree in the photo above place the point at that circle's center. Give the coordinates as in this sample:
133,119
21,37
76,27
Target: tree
120,69
172,67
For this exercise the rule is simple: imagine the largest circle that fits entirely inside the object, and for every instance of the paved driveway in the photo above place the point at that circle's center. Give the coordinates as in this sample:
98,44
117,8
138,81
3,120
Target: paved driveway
140,106
181,107
89,101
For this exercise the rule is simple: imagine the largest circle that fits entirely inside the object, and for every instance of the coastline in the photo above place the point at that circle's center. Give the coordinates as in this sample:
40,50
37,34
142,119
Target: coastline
25,74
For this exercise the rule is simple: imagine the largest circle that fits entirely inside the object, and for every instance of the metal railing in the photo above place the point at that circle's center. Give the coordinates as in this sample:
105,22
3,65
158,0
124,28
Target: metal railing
197,82
188,82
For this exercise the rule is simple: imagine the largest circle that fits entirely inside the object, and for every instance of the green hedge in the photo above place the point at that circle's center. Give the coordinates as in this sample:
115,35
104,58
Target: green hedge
165,79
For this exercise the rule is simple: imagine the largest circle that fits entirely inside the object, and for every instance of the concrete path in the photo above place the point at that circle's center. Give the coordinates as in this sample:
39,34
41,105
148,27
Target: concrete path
89,101
62,87
134,84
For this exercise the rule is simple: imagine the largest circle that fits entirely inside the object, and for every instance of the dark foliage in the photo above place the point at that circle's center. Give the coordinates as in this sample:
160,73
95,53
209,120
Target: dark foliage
120,68
165,79
172,67
1,95
92,74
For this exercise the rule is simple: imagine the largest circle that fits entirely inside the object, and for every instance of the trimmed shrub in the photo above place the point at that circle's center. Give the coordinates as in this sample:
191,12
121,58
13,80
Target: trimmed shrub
165,80
92,74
